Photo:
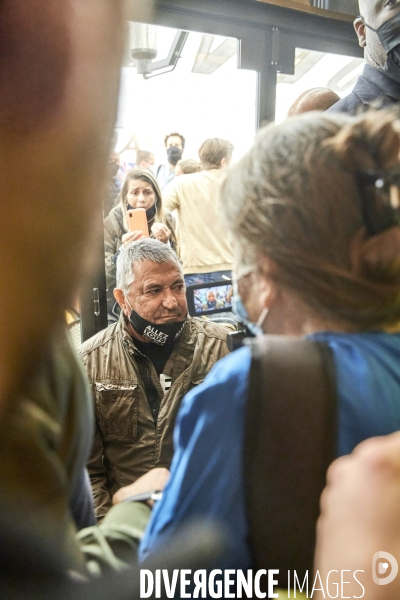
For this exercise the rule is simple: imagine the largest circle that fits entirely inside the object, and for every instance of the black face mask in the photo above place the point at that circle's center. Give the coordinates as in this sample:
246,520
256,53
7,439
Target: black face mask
174,154
150,212
389,36
161,334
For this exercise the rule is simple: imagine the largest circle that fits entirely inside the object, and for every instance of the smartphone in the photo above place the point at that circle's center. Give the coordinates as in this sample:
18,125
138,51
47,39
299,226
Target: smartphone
209,298
137,221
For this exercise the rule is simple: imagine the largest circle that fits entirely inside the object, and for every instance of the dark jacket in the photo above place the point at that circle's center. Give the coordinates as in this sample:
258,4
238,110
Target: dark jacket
127,442
372,87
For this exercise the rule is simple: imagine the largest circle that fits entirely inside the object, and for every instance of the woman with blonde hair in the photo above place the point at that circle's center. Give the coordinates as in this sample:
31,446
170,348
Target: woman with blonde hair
313,210
140,190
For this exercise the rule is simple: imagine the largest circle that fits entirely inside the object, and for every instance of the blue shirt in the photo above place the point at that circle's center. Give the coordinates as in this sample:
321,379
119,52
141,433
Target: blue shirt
207,469
165,175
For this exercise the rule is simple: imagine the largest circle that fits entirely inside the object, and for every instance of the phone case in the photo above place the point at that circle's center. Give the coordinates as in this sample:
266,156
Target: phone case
137,221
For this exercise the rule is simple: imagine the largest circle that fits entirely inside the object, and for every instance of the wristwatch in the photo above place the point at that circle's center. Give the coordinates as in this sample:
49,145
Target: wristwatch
145,496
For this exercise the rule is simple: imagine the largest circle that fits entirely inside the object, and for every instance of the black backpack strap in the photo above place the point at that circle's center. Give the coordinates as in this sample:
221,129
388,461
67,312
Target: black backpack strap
290,442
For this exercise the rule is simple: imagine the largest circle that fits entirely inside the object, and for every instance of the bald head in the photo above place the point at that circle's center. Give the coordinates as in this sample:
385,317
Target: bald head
373,13
314,99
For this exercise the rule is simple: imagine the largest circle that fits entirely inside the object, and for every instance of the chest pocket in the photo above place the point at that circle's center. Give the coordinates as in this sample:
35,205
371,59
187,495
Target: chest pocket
119,411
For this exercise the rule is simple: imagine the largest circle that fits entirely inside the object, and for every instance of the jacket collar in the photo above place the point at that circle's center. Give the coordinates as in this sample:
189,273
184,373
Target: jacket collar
374,84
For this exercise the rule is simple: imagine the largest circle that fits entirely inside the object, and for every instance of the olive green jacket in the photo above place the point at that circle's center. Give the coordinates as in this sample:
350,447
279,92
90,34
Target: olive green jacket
127,442
46,434
45,440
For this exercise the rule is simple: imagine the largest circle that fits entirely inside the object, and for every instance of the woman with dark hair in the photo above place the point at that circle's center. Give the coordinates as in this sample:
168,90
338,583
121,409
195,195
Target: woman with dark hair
140,190
314,213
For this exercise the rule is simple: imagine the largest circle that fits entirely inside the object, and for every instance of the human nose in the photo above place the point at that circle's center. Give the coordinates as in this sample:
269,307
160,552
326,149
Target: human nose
169,300
141,199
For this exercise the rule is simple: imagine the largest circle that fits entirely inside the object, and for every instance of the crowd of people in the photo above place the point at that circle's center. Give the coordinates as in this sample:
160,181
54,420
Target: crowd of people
155,425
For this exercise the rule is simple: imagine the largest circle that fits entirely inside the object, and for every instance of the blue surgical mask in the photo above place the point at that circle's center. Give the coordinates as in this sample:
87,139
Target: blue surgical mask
240,311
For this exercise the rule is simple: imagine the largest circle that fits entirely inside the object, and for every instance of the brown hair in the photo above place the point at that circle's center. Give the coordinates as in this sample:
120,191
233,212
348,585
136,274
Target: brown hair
143,155
174,135
212,151
144,175
295,198
189,165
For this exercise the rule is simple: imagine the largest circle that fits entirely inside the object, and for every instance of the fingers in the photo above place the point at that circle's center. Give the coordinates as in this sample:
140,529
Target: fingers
360,508
160,232
131,236
156,479
159,228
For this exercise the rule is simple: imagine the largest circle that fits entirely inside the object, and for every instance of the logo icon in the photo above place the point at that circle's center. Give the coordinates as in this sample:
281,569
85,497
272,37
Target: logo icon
384,563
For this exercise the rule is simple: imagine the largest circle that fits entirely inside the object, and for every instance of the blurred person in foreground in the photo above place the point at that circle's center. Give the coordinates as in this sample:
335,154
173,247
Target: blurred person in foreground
360,517
141,367
378,32
140,190
56,56
313,260
114,183
204,248
48,125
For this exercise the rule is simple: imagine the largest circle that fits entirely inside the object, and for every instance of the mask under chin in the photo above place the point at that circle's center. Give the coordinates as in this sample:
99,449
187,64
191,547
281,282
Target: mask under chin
161,334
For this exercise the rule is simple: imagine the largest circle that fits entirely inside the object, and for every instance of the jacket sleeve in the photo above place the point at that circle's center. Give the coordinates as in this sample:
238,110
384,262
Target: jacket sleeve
113,545
170,197
112,242
101,493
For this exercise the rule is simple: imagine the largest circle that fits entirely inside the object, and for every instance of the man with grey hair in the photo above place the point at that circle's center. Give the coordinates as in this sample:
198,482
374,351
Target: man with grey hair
141,367
378,32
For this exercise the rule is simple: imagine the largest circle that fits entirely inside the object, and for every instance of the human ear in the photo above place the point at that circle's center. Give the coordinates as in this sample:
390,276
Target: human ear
359,27
120,298
224,162
267,292
266,285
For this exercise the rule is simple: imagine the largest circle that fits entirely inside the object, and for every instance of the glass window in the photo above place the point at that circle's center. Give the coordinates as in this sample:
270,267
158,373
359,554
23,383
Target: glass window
316,69
206,95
